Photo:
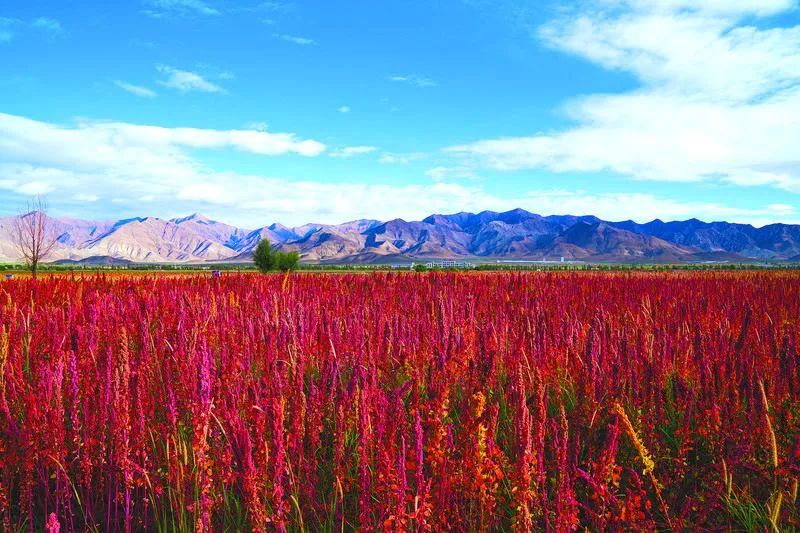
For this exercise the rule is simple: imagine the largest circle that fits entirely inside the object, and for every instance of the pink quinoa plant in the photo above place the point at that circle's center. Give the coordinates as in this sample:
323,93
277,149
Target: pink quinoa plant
447,401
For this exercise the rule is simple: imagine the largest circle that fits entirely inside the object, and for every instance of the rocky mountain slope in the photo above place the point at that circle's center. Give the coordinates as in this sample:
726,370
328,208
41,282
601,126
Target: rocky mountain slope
515,234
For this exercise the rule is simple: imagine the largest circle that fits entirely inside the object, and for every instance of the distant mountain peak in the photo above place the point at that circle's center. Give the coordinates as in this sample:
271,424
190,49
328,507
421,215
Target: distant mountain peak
513,234
194,217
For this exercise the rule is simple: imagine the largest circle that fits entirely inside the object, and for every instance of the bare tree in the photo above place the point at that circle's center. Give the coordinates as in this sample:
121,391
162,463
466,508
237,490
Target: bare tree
33,235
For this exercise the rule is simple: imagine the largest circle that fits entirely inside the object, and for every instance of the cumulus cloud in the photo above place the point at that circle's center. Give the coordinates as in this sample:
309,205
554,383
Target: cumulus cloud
136,90
129,164
116,146
146,170
717,98
142,169
186,81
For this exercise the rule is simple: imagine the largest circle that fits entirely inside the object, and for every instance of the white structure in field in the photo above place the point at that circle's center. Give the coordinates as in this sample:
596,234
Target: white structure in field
437,264
448,264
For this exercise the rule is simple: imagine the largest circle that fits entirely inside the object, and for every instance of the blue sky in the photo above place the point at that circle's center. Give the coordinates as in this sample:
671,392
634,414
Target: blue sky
253,112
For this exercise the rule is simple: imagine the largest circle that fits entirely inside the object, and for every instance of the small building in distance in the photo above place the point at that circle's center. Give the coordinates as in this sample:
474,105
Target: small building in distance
434,264
449,264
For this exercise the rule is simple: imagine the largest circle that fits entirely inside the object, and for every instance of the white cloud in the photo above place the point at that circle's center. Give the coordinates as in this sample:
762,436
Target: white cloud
257,125
294,39
132,162
445,173
28,187
785,209
643,207
267,7
9,26
352,151
46,24
183,7
400,159
700,53
714,7
132,165
717,98
298,202
6,25
116,147
83,197
344,109
413,79
185,81
136,90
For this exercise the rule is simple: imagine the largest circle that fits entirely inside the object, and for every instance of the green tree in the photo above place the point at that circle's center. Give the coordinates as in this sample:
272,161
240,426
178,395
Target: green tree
288,260
267,259
419,267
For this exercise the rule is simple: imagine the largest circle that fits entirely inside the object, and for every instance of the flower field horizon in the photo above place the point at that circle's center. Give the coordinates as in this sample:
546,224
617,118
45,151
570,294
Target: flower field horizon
519,401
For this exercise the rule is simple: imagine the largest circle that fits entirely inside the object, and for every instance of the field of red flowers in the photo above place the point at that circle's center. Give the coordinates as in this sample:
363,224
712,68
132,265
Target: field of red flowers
424,402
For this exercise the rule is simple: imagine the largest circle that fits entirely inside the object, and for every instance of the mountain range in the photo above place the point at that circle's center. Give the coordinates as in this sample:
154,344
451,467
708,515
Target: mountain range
488,235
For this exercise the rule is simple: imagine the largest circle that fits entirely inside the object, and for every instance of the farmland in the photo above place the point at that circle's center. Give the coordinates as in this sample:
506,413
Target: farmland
426,402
